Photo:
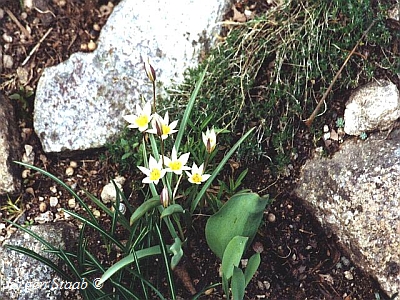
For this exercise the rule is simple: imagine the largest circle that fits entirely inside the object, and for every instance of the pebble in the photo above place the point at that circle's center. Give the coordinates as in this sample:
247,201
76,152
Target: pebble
42,206
71,203
7,38
69,171
348,275
1,13
91,46
73,164
25,173
44,217
53,189
53,201
96,213
209,292
271,218
8,61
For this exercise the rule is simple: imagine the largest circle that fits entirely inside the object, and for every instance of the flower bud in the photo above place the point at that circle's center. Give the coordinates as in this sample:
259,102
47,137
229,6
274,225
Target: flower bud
164,197
151,74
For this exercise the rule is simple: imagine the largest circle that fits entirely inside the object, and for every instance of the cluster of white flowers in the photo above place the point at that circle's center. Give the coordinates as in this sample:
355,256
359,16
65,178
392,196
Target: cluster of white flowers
175,164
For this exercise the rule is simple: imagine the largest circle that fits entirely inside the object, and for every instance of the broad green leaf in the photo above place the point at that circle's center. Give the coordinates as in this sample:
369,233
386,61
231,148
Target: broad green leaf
145,207
172,209
241,215
232,255
252,266
238,284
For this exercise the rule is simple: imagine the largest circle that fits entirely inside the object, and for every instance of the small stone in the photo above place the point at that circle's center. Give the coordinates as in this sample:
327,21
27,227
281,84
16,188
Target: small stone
29,190
91,46
69,171
7,38
53,189
348,275
209,292
271,218
26,173
109,193
96,27
244,262
8,61
96,213
44,217
53,201
73,164
42,206
71,203
266,284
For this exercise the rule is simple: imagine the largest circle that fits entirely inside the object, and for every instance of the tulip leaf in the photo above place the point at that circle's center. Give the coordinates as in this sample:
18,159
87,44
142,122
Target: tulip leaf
251,268
145,207
238,285
241,215
172,209
232,255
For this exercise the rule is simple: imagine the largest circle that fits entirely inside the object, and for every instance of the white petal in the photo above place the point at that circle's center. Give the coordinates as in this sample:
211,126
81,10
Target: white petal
144,170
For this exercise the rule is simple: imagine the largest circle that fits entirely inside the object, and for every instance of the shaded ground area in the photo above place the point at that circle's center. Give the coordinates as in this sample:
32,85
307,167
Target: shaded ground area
299,260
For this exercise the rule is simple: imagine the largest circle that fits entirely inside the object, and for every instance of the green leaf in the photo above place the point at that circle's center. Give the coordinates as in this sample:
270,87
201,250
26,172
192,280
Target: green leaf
217,170
252,266
241,215
145,207
130,258
232,255
172,209
176,249
188,110
238,284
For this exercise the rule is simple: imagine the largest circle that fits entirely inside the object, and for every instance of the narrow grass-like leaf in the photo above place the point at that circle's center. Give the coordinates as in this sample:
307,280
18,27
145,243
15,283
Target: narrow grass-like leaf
166,263
217,170
130,258
63,184
40,258
97,228
188,110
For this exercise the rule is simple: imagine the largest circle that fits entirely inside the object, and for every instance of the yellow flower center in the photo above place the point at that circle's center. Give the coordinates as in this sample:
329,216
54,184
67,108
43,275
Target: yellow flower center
165,129
196,178
142,120
155,174
175,165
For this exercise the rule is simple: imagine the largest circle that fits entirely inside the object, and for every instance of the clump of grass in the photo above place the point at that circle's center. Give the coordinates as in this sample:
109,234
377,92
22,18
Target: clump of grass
271,72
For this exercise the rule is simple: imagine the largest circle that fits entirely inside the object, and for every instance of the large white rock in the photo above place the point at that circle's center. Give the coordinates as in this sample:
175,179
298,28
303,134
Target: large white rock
374,106
356,195
80,103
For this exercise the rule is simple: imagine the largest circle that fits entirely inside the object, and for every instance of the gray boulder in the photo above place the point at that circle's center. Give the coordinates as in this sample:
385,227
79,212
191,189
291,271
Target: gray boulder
80,103
356,195
374,106
10,149
25,278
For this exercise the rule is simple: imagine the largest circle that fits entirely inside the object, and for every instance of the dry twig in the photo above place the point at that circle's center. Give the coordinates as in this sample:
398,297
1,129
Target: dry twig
36,46
15,20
